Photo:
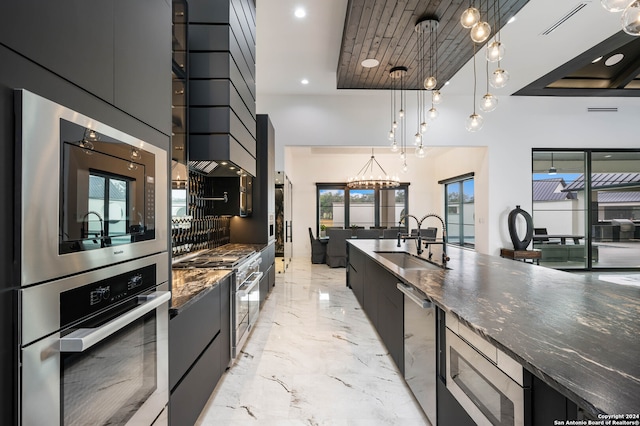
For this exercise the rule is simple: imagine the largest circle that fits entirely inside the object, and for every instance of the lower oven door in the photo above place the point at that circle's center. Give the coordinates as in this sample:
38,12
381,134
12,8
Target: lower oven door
113,373
487,394
247,307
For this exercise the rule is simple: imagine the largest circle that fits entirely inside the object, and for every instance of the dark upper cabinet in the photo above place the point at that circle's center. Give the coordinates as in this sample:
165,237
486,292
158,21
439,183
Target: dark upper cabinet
142,49
116,50
73,39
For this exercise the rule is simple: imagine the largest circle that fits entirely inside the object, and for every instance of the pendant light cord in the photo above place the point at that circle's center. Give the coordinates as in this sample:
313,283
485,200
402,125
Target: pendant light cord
474,78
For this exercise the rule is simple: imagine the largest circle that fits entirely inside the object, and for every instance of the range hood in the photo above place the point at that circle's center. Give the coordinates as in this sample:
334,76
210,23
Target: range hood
220,155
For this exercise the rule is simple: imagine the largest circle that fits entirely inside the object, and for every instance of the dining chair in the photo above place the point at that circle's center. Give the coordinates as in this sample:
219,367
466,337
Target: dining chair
318,249
337,247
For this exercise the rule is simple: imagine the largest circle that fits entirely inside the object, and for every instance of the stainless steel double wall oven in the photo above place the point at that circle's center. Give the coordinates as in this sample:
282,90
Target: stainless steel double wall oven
92,245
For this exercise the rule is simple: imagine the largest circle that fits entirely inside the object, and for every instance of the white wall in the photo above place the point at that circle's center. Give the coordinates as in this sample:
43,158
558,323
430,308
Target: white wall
503,178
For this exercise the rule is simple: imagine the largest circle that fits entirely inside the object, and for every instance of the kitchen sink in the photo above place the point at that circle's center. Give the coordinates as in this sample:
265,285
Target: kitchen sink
406,260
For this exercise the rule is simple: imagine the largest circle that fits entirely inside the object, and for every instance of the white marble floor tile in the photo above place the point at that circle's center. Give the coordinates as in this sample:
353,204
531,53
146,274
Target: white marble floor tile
313,358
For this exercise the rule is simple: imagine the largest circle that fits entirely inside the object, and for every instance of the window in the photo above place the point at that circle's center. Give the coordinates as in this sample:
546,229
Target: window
341,207
460,210
588,202
107,206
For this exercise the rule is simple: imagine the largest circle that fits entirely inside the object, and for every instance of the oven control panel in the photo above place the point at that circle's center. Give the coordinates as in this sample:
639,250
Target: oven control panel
87,300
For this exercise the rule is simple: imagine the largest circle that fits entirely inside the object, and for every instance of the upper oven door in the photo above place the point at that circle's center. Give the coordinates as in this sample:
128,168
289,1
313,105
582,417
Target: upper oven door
91,195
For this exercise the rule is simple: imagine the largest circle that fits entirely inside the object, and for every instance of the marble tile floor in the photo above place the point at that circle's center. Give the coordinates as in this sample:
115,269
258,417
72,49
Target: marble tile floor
313,358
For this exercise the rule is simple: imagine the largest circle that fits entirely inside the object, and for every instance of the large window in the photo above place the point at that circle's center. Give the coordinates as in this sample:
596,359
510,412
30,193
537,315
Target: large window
586,208
460,210
341,207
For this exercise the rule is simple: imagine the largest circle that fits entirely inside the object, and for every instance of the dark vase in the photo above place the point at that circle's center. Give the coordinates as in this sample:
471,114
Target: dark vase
519,244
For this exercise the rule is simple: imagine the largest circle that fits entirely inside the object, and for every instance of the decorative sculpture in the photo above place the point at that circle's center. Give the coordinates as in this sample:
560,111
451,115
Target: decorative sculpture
519,244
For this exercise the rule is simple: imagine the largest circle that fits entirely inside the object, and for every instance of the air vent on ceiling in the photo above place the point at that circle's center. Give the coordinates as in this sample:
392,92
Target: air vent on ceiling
602,109
565,18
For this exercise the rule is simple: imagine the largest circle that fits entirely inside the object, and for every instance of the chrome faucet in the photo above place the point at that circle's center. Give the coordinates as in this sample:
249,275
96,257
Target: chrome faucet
404,237
418,238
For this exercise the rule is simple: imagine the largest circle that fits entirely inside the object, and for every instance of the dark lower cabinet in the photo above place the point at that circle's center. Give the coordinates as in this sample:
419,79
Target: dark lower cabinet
549,405
199,352
375,289
355,272
450,412
193,392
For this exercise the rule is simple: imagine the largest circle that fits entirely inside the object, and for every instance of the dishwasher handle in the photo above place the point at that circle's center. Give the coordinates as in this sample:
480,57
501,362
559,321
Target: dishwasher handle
407,290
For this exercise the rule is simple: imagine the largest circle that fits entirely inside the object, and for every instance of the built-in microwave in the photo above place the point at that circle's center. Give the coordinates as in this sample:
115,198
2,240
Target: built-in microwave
91,195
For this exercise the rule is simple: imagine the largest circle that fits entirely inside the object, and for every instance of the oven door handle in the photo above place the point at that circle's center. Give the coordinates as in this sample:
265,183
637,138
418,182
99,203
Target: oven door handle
242,292
83,338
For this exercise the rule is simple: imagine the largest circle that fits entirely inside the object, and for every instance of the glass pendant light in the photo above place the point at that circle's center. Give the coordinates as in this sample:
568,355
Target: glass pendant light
615,5
495,51
405,168
480,32
474,122
430,83
470,17
488,103
433,113
391,135
499,78
424,127
418,139
420,152
631,19
436,97
394,146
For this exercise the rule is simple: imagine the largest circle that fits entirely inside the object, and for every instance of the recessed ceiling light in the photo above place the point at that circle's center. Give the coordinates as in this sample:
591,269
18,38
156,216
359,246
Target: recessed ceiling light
598,59
224,163
370,63
232,168
511,20
607,156
300,13
304,81
614,59
447,83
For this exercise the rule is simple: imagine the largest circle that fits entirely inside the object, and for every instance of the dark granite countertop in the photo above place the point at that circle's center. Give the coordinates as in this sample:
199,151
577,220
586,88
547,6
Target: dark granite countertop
188,285
579,335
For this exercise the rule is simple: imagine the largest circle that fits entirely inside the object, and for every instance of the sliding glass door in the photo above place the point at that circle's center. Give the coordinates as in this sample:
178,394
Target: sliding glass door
586,208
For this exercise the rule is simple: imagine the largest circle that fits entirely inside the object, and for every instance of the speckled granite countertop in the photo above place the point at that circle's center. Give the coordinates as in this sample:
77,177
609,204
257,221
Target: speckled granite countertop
579,335
188,285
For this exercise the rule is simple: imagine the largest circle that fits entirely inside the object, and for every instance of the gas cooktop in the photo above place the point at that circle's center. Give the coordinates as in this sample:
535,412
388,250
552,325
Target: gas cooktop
215,258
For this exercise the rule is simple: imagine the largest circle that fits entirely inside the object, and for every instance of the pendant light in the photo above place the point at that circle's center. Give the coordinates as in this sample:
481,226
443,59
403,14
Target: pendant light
499,78
495,49
488,102
397,74
470,17
481,30
631,19
615,5
474,122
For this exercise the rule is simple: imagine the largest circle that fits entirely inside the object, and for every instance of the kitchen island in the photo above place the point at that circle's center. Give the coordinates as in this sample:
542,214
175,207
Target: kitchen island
576,334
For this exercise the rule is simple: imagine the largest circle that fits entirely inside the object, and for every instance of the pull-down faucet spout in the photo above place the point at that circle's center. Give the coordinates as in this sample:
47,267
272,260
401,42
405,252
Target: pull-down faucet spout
418,238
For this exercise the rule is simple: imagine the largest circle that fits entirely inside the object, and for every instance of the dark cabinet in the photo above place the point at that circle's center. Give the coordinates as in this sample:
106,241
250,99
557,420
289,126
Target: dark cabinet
199,352
268,269
78,36
375,289
390,306
139,57
355,272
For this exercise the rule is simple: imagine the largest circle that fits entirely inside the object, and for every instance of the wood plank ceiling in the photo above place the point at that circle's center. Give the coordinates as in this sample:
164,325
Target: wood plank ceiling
385,30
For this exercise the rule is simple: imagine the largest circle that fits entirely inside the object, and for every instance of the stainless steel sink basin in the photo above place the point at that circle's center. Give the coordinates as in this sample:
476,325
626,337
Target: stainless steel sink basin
405,260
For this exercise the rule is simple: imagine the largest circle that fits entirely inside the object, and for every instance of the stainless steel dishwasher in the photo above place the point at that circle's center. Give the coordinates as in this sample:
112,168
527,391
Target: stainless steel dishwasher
420,348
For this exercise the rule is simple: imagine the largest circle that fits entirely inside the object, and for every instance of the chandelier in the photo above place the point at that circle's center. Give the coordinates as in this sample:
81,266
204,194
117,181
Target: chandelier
630,9
372,176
